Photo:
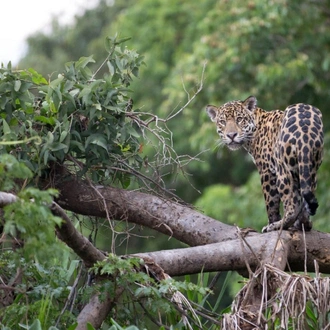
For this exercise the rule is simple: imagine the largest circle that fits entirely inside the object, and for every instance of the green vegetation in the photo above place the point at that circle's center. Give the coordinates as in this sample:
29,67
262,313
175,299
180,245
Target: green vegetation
62,101
74,113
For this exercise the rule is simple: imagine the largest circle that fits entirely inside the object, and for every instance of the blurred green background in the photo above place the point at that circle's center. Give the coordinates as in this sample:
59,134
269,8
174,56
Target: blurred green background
276,50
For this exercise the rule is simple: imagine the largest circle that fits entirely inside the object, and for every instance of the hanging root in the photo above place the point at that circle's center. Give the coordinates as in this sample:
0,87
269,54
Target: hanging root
273,297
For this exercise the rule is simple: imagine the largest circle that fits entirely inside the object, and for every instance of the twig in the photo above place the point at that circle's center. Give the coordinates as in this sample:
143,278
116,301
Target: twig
214,280
106,212
71,295
305,249
190,99
243,240
160,325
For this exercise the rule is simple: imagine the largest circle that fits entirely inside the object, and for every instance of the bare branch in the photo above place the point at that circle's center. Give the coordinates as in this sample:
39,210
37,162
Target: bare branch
160,137
190,98
76,241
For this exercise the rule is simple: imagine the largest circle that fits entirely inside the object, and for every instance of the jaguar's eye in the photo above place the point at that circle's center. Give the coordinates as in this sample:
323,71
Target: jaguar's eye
239,120
222,122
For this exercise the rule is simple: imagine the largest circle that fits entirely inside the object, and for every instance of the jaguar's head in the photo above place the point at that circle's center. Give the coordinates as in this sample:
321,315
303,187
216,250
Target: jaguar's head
235,121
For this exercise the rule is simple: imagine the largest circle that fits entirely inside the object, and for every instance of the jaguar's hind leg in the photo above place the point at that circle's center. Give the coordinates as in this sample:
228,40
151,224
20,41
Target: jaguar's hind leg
294,208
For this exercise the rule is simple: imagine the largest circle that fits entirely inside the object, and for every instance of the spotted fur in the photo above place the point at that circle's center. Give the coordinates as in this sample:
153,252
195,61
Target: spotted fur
287,148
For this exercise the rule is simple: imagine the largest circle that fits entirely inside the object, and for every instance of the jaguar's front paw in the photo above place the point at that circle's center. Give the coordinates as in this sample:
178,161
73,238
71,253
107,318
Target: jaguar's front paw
266,229
272,226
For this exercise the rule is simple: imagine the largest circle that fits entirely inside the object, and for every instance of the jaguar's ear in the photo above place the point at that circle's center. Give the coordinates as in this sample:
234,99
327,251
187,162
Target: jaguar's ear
250,103
211,111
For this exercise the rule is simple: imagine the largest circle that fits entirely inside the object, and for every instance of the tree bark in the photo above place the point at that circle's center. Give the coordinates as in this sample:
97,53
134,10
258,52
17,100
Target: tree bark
285,251
97,310
196,229
75,240
170,218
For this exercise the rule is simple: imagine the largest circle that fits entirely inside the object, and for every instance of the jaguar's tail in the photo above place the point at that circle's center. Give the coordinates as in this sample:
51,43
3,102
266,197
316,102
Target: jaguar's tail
309,153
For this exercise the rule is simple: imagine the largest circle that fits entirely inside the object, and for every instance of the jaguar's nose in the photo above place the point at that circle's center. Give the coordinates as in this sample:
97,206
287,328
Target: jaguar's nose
231,135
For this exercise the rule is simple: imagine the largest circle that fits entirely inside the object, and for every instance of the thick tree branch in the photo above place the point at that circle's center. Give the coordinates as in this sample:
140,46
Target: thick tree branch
75,240
97,309
294,250
196,229
170,218
284,252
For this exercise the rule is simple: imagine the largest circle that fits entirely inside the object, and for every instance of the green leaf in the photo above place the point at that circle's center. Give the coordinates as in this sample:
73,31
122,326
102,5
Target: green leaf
6,128
118,327
86,91
56,82
135,71
63,136
111,68
37,78
311,313
17,85
125,181
119,64
74,92
131,131
73,326
97,139
122,40
56,146
46,156
78,145
95,84
83,61
36,325
47,120
50,137
108,44
90,327
86,73
98,106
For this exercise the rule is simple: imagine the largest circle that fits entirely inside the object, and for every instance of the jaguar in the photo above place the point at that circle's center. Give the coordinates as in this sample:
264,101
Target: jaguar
287,149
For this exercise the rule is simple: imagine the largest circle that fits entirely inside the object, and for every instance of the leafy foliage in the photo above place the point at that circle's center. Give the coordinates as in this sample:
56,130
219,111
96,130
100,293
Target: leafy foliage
39,296
28,212
31,269
11,169
152,297
73,117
